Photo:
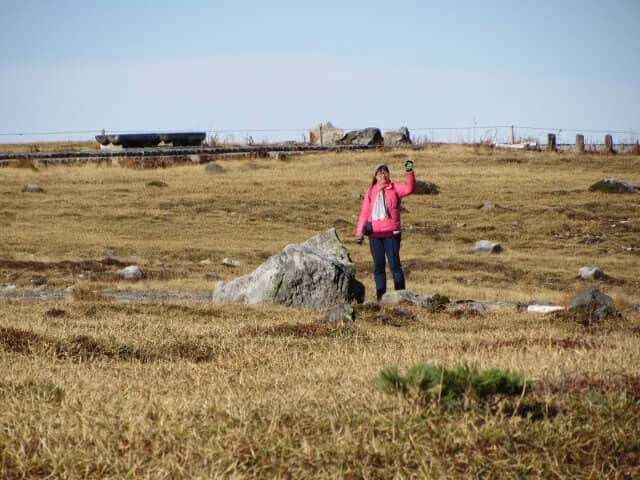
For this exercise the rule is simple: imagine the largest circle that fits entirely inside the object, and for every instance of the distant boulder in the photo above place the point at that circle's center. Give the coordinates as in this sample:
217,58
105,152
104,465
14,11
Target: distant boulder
612,185
213,168
325,134
592,273
132,272
485,246
397,137
365,137
316,274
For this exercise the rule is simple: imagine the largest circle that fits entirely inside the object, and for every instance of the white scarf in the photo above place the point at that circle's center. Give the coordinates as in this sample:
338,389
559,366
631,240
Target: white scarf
380,210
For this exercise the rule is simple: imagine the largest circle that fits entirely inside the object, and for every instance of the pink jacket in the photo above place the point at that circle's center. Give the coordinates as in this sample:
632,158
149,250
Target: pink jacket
392,194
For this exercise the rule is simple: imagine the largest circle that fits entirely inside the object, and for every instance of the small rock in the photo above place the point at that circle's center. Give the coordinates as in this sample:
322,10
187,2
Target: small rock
487,206
469,310
402,312
613,185
32,189
211,275
231,263
205,262
132,272
592,273
214,168
55,313
38,281
342,312
543,308
485,246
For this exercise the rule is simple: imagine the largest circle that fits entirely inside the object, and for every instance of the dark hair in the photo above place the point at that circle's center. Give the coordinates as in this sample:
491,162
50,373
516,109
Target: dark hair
375,180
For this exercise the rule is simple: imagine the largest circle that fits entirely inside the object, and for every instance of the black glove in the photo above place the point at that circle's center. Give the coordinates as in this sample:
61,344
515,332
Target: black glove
408,166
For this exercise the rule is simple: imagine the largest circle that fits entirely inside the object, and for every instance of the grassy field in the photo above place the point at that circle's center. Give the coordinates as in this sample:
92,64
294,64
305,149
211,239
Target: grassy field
93,388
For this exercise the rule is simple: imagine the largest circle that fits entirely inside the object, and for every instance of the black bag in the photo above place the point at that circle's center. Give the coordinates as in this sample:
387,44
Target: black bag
367,229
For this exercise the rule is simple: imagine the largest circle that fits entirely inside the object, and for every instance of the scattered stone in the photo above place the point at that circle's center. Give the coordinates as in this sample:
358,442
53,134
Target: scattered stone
157,183
426,188
590,305
612,185
487,206
355,195
55,313
402,312
316,274
211,275
213,168
592,273
340,313
543,308
37,281
485,246
325,134
469,310
364,137
397,137
132,272
33,189
206,261
398,297
231,263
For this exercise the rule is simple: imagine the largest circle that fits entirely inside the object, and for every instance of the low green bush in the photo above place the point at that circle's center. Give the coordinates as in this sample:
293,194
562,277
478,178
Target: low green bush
450,386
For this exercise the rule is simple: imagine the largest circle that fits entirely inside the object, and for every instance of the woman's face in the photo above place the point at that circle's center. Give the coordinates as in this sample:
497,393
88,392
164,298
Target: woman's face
382,176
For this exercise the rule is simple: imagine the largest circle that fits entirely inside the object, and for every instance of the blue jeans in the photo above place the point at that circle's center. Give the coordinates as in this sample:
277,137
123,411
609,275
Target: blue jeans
391,248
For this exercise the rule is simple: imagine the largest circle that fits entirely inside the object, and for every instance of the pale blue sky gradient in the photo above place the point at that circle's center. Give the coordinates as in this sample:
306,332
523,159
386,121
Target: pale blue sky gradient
218,66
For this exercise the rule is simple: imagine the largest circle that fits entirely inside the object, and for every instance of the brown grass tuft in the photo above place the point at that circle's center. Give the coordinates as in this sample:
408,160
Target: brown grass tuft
304,330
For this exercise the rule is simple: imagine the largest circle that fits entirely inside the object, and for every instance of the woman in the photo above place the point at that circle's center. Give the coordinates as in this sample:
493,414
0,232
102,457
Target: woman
381,207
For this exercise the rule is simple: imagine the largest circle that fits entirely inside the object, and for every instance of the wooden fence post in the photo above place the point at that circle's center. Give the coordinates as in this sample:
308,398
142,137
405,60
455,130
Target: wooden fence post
580,143
551,142
513,140
608,144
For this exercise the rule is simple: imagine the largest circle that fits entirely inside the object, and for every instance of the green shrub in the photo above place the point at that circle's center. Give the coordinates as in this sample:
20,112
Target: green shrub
450,386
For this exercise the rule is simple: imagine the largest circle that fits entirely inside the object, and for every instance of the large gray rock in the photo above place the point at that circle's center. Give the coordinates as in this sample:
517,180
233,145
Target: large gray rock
397,137
318,274
591,304
365,137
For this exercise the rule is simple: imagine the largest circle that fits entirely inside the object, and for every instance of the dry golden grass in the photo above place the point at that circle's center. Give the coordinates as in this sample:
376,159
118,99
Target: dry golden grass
35,147
101,389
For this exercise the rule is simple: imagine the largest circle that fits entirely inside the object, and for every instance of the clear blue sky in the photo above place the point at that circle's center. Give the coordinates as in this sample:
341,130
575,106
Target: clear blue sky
70,66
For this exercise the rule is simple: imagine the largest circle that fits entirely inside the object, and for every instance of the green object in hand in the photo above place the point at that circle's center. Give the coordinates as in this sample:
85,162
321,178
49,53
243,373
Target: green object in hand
408,166
359,240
